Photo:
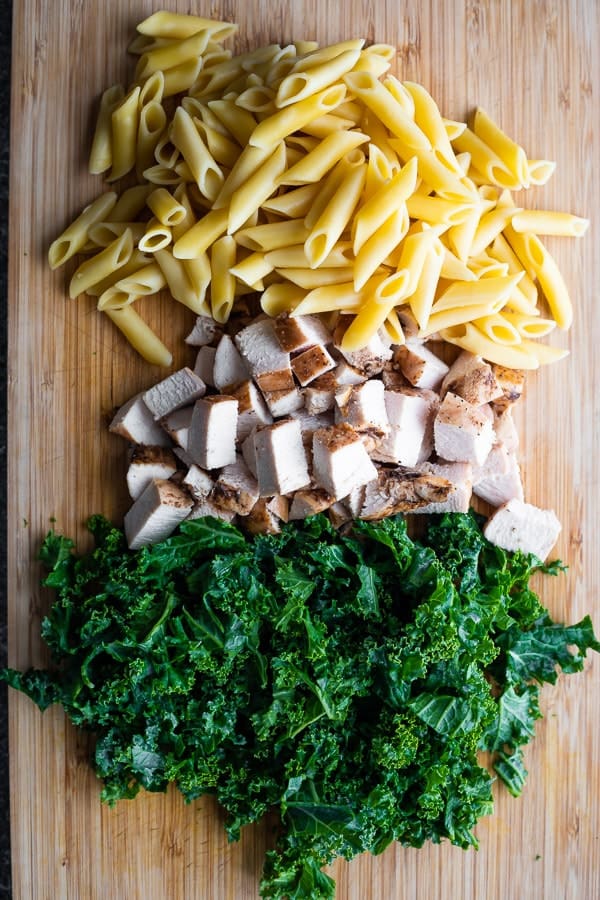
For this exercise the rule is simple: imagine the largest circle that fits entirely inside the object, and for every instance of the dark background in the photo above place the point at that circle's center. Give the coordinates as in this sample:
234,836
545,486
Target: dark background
5,29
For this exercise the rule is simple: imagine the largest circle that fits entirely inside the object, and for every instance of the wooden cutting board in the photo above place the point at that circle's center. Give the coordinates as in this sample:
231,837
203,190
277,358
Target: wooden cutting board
534,67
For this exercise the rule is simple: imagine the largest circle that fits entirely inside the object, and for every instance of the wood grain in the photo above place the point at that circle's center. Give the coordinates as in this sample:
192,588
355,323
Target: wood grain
533,66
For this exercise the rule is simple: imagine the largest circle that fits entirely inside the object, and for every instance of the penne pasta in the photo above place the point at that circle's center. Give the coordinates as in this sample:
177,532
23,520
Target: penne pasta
391,196
508,151
171,55
469,337
101,151
541,221
124,129
374,95
335,217
315,165
156,237
381,243
292,118
140,335
538,262
178,25
166,208
205,171
74,238
422,298
299,85
273,236
222,292
201,235
281,297
247,198
252,268
102,264
152,124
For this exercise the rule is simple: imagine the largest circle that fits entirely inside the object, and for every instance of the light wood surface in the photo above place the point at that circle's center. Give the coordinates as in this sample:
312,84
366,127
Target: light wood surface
534,66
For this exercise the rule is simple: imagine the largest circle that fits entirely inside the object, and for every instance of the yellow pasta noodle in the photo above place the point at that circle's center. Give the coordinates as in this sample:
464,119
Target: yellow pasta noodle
124,128
74,238
140,335
101,151
223,282
541,221
102,264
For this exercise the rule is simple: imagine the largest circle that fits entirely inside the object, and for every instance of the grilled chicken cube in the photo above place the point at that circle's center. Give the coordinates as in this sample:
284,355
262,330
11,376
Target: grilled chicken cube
156,513
229,368
463,432
499,479
521,526
319,396
363,407
340,460
473,379
207,507
460,476
198,482
311,363
420,366
176,390
204,365
205,331
505,429
401,490
146,464
177,424
269,365
409,416
281,465
263,518
298,333
512,382
283,403
135,423
346,374
309,502
252,409
235,489
339,514
211,440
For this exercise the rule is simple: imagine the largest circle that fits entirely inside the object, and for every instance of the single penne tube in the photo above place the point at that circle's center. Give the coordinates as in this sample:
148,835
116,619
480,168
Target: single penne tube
240,123
543,353
374,95
538,262
248,162
180,78
294,204
292,118
224,151
422,298
101,151
257,99
498,329
429,119
486,161
299,85
489,227
281,297
512,155
198,109
469,337
273,236
541,221
130,204
371,62
540,171
436,210
171,55
115,298
500,249
449,318
528,326
327,124
379,172
453,129
252,268
247,198
222,290
414,255
166,208
74,238
294,256
179,25
334,297
394,329
313,278
321,55
435,174
391,196
162,175
156,237
124,129
165,152
182,197
140,335
103,233
179,282
463,294
199,275
206,172
152,125
147,280
328,188
137,261
101,264
201,235
317,162
379,245
142,42
374,311
335,217
400,93
152,89
304,47
519,303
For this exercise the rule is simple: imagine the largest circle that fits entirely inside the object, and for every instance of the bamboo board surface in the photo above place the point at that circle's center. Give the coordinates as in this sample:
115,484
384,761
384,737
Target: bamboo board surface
534,66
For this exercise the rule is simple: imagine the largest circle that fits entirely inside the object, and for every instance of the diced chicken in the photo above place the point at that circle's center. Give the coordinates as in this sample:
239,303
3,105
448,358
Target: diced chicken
340,460
346,374
156,513
339,514
462,432
512,382
505,429
363,407
319,396
281,465
499,479
211,440
311,363
205,331
177,424
355,499
409,416
204,365
460,476
297,333
268,363
279,506
521,526
135,423
249,452
393,379
402,490
229,368
183,456
473,379
420,366
369,360
198,482
235,489
252,409
309,502
310,423
283,403
262,519
146,464
207,507
176,390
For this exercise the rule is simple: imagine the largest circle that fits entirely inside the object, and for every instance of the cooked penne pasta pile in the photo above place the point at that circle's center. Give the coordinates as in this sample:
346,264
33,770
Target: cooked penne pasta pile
315,178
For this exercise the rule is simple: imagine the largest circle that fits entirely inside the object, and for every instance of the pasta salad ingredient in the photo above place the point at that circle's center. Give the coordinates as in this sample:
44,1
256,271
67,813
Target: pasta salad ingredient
349,682
314,177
